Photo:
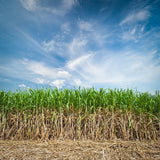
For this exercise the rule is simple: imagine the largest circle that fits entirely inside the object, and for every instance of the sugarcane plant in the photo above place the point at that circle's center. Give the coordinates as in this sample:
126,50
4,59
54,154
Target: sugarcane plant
83,113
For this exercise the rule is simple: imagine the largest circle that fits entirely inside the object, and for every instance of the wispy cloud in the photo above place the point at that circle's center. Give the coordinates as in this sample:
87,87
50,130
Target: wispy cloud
33,71
103,9
66,28
40,81
130,35
41,69
60,9
30,5
50,46
85,26
133,33
41,47
55,47
78,62
136,16
92,31
77,45
69,4
22,85
30,40
124,68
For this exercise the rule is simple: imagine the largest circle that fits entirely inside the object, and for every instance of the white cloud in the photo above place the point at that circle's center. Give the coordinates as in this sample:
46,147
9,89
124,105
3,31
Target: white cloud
142,28
58,83
92,32
127,36
60,9
85,25
77,45
46,72
63,74
126,67
153,53
33,71
103,71
78,62
22,85
132,33
29,5
77,82
134,17
66,28
40,81
38,68
133,30
49,46
104,9
68,4
120,68
55,46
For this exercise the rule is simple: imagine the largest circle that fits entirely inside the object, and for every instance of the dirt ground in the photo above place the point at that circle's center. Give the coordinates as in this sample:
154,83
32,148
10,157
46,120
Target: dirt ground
88,150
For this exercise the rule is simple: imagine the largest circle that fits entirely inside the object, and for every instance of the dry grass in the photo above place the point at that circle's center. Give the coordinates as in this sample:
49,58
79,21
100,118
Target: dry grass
69,149
101,126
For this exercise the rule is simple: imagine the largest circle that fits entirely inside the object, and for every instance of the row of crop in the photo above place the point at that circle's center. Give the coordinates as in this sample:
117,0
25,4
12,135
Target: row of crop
83,100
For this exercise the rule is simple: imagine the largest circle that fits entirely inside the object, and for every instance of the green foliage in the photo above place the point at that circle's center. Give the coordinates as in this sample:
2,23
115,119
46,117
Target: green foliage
86,100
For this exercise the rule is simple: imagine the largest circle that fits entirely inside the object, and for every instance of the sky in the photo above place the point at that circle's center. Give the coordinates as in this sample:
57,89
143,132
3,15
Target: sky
87,43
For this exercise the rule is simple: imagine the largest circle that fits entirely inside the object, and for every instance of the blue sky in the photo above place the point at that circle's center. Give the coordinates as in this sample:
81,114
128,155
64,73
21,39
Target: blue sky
67,43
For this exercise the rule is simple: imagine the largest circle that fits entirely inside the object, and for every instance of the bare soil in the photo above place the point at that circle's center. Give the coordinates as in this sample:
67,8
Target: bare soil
74,150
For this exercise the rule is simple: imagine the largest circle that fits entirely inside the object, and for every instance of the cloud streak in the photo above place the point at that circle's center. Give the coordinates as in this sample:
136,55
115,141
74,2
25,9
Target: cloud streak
73,64
135,17
60,9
